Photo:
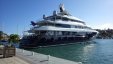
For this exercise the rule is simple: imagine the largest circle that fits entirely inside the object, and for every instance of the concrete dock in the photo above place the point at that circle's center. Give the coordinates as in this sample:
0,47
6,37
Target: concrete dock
37,58
12,60
29,57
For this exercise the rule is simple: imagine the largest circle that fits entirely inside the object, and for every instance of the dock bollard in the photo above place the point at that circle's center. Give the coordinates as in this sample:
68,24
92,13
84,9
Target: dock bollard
48,59
22,50
32,53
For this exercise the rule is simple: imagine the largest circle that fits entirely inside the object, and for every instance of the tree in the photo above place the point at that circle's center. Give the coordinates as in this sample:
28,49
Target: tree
1,35
14,38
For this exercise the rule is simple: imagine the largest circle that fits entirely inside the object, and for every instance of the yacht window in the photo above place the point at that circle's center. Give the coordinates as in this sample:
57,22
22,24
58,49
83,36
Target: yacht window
77,21
72,26
63,25
75,26
82,27
58,18
55,18
47,24
50,24
65,19
65,33
78,26
74,33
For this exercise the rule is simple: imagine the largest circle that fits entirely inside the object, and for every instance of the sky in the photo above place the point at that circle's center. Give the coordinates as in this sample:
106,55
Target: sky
16,15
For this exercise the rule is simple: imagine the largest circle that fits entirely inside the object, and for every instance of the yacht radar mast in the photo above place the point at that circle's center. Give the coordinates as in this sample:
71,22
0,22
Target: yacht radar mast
61,6
63,10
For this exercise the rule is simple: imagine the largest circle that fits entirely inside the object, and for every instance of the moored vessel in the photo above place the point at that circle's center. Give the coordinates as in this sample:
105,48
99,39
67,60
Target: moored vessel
59,28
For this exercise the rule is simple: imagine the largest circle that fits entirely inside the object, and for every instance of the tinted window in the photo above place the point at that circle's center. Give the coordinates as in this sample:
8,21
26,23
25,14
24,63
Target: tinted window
63,25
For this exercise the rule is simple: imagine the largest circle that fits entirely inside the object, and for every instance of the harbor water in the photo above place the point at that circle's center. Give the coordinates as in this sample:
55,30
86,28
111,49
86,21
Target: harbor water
99,51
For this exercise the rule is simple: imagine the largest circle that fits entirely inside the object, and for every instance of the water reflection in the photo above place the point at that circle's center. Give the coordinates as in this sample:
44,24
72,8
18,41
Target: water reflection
87,51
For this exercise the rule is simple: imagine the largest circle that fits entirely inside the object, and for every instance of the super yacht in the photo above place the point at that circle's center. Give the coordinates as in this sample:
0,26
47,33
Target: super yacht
59,28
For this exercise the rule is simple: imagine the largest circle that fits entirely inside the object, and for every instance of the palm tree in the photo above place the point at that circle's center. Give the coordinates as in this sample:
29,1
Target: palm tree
14,38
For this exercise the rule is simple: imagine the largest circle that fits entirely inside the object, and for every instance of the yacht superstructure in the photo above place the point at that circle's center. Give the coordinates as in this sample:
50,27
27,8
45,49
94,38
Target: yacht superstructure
61,27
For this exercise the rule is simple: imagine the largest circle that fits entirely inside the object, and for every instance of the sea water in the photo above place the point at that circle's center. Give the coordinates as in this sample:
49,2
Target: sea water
99,51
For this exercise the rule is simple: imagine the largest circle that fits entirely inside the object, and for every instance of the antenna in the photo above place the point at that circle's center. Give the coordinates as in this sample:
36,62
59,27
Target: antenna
44,16
54,12
61,6
1,26
17,28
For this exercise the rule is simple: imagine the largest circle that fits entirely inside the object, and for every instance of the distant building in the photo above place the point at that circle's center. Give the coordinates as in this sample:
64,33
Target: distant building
5,37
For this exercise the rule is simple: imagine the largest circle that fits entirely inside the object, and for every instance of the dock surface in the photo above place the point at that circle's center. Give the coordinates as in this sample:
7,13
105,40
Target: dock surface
12,60
30,57
37,58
